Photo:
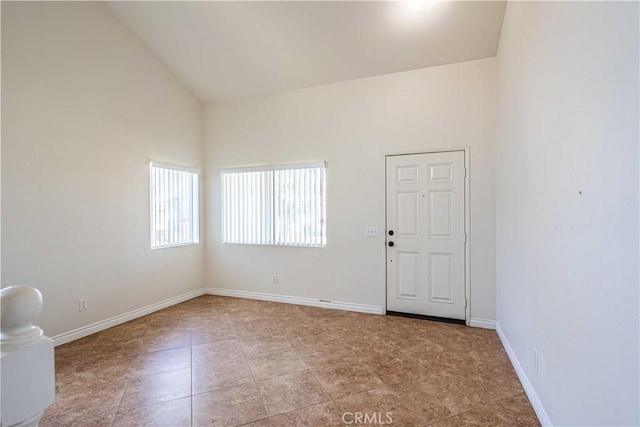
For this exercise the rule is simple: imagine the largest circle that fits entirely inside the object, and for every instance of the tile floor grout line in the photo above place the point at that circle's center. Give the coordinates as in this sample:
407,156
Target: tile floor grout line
252,376
220,388
124,391
323,387
121,398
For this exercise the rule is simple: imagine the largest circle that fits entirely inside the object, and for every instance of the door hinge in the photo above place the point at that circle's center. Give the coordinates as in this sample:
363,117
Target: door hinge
465,237
465,303
465,172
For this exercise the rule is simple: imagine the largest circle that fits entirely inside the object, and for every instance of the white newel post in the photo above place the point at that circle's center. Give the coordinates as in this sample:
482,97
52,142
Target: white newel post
27,368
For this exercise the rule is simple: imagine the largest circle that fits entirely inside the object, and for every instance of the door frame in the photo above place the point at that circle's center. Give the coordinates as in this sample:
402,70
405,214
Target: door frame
467,222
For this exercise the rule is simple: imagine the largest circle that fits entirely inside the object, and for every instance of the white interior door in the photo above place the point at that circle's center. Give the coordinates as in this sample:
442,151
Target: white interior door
426,234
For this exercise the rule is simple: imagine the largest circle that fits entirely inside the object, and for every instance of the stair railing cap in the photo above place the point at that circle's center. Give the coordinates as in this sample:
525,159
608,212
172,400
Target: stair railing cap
20,306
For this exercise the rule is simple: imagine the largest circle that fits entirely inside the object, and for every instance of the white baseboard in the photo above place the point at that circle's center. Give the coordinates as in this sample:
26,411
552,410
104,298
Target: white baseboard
360,308
478,322
526,384
117,320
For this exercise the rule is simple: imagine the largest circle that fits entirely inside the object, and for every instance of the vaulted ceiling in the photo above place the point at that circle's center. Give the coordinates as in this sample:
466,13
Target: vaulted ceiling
230,50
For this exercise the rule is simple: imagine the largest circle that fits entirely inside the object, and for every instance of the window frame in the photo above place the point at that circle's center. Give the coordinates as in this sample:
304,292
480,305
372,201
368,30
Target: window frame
273,168
195,202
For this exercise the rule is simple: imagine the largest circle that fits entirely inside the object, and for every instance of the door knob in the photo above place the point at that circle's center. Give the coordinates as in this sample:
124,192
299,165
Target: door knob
391,243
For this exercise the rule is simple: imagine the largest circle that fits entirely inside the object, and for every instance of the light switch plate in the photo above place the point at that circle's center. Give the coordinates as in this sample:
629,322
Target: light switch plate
371,231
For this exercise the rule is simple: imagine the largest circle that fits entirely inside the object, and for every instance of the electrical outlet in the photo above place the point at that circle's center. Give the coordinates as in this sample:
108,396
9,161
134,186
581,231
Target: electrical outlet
83,305
274,279
536,359
371,231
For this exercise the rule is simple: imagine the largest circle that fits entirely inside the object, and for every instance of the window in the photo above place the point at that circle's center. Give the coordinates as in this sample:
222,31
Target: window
274,205
174,206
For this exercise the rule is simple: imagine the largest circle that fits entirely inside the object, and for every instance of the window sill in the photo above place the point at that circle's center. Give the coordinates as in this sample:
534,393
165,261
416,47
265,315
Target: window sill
153,248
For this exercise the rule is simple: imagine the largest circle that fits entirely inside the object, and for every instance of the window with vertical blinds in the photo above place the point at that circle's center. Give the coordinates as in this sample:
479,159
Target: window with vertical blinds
274,205
174,205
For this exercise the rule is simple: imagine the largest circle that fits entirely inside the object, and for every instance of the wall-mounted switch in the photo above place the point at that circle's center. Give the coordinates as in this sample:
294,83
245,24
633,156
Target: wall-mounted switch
371,231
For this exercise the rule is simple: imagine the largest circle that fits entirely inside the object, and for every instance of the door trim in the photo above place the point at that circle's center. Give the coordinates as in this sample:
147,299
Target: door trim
467,222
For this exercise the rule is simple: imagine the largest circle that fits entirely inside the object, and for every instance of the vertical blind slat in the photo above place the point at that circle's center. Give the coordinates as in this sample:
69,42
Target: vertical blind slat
292,207
245,210
185,208
167,218
309,237
245,216
223,180
287,209
236,212
297,212
172,205
170,202
154,207
174,224
195,211
323,207
256,209
312,202
270,207
277,176
251,199
260,213
180,211
230,212
307,208
263,208
278,184
227,200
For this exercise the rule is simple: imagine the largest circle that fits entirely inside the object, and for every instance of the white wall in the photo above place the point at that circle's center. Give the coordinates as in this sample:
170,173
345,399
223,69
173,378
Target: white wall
567,205
84,106
351,125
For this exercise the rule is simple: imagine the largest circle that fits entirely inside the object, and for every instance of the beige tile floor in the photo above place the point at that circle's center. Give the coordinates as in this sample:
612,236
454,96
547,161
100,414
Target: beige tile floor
215,361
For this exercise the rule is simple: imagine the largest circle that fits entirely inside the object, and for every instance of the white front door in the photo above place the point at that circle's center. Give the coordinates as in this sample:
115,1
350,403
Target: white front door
426,234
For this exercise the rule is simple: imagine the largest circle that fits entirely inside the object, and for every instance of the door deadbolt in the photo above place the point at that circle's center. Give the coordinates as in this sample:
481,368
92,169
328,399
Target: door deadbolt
391,243
390,232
